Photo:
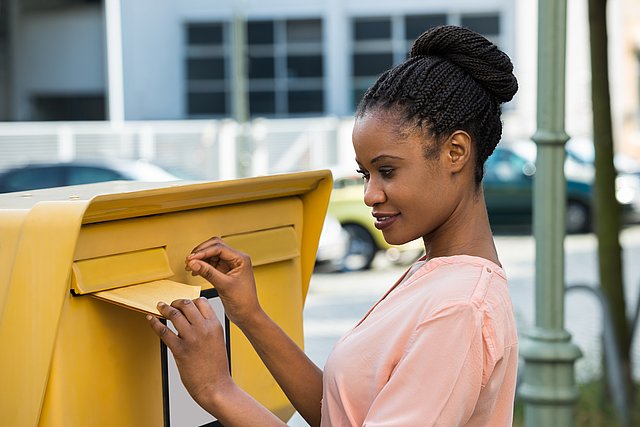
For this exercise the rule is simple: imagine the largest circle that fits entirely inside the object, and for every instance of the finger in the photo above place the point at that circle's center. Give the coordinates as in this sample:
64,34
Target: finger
166,335
216,252
214,260
177,318
215,277
205,309
211,241
189,310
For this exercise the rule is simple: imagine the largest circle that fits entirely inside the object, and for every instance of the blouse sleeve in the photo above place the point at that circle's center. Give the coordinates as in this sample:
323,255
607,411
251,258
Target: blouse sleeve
438,379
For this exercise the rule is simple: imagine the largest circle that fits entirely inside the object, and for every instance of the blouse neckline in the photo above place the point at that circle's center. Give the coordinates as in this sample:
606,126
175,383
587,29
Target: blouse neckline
430,265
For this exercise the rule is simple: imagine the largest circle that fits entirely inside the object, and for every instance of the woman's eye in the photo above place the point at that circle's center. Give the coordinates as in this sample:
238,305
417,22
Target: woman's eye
386,173
364,174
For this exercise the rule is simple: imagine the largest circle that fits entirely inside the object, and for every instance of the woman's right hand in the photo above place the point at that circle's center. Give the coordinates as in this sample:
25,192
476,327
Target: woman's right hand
231,273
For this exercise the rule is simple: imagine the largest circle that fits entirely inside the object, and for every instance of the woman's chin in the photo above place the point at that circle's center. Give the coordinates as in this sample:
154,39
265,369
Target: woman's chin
397,240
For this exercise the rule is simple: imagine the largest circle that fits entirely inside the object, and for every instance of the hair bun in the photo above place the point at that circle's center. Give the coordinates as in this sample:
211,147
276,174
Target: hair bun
472,52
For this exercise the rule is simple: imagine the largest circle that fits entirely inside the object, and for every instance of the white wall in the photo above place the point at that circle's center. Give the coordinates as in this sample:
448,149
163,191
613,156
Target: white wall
153,60
59,52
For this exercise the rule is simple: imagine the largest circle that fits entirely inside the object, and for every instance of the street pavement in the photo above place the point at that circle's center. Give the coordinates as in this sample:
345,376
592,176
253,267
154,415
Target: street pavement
337,301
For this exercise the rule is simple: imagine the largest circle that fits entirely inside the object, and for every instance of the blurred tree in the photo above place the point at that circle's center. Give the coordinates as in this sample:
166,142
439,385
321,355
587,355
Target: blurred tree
607,209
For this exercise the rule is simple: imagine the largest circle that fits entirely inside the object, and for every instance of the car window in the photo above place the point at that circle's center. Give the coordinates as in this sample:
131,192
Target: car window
88,174
504,165
33,179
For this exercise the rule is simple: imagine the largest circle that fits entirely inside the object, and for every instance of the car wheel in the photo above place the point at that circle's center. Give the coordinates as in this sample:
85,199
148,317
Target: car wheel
362,249
578,218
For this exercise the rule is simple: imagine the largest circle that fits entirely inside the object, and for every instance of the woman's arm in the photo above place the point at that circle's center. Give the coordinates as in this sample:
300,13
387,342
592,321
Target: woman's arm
297,375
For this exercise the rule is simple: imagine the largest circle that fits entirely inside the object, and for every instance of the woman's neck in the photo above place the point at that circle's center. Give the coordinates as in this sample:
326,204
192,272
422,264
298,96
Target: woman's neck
467,233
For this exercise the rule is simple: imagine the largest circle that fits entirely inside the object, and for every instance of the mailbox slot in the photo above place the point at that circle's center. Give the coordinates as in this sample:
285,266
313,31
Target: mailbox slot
266,246
136,280
124,269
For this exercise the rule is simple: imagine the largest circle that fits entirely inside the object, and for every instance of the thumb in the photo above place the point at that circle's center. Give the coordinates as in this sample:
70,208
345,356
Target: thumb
207,271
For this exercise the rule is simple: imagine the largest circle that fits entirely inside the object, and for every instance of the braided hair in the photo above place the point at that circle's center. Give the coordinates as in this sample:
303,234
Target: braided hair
454,79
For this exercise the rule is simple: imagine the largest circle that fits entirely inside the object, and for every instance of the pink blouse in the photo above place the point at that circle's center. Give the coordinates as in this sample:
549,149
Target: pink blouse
439,349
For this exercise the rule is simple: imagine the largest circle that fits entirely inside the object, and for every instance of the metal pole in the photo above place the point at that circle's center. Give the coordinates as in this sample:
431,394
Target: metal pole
549,391
240,93
115,78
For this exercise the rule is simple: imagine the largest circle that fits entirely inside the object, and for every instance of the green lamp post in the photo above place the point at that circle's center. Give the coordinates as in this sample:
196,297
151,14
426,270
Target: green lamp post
240,94
549,391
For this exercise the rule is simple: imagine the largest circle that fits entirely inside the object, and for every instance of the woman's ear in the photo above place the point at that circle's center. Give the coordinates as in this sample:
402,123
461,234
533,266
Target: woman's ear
457,151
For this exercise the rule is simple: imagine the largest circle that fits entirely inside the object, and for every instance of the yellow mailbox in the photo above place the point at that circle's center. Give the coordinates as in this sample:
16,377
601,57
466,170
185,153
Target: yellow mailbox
68,357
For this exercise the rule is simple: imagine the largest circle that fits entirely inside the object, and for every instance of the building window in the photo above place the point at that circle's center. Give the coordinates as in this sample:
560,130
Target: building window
373,52
68,107
207,63
418,24
286,67
487,25
380,43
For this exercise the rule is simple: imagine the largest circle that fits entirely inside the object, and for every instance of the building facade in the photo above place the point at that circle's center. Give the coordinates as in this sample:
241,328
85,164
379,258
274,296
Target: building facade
168,60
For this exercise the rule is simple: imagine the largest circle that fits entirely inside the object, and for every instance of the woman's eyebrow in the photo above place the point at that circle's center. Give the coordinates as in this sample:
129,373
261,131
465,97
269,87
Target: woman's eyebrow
385,157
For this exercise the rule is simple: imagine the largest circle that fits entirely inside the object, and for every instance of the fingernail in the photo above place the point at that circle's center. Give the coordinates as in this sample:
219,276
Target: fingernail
161,304
149,317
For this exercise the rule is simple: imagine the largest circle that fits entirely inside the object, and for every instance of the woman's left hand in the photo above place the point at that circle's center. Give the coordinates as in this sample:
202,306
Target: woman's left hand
198,348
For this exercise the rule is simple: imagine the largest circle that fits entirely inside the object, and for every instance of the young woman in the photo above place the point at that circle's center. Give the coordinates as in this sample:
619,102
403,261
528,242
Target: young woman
440,347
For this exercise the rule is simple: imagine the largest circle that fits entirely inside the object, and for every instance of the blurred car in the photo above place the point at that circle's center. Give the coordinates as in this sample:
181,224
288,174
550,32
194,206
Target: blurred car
365,240
508,189
48,175
582,151
333,246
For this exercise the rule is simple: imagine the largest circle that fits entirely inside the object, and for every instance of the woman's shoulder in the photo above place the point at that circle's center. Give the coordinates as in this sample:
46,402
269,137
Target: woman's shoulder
463,263
460,279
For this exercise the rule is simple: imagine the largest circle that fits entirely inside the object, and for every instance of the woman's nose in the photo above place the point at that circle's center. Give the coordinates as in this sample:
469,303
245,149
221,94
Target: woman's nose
373,193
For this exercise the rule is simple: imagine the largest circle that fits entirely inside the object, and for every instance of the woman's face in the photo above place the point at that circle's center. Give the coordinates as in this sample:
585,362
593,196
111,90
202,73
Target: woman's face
410,196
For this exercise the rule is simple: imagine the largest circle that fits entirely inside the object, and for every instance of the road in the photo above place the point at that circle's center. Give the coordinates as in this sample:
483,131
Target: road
337,301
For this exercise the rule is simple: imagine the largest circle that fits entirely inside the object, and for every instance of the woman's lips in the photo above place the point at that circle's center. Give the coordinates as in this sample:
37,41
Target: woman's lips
384,222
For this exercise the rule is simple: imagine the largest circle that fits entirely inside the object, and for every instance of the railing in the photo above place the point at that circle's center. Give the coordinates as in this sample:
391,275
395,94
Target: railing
196,149
614,371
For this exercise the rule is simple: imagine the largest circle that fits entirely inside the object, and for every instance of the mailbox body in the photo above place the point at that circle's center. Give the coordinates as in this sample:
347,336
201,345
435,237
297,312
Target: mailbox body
76,360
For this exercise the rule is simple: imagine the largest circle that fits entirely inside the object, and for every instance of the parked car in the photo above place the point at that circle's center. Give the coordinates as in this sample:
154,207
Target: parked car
508,189
581,150
333,246
48,175
365,240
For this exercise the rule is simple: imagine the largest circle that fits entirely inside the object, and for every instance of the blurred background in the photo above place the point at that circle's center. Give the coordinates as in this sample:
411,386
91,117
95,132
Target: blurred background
159,90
